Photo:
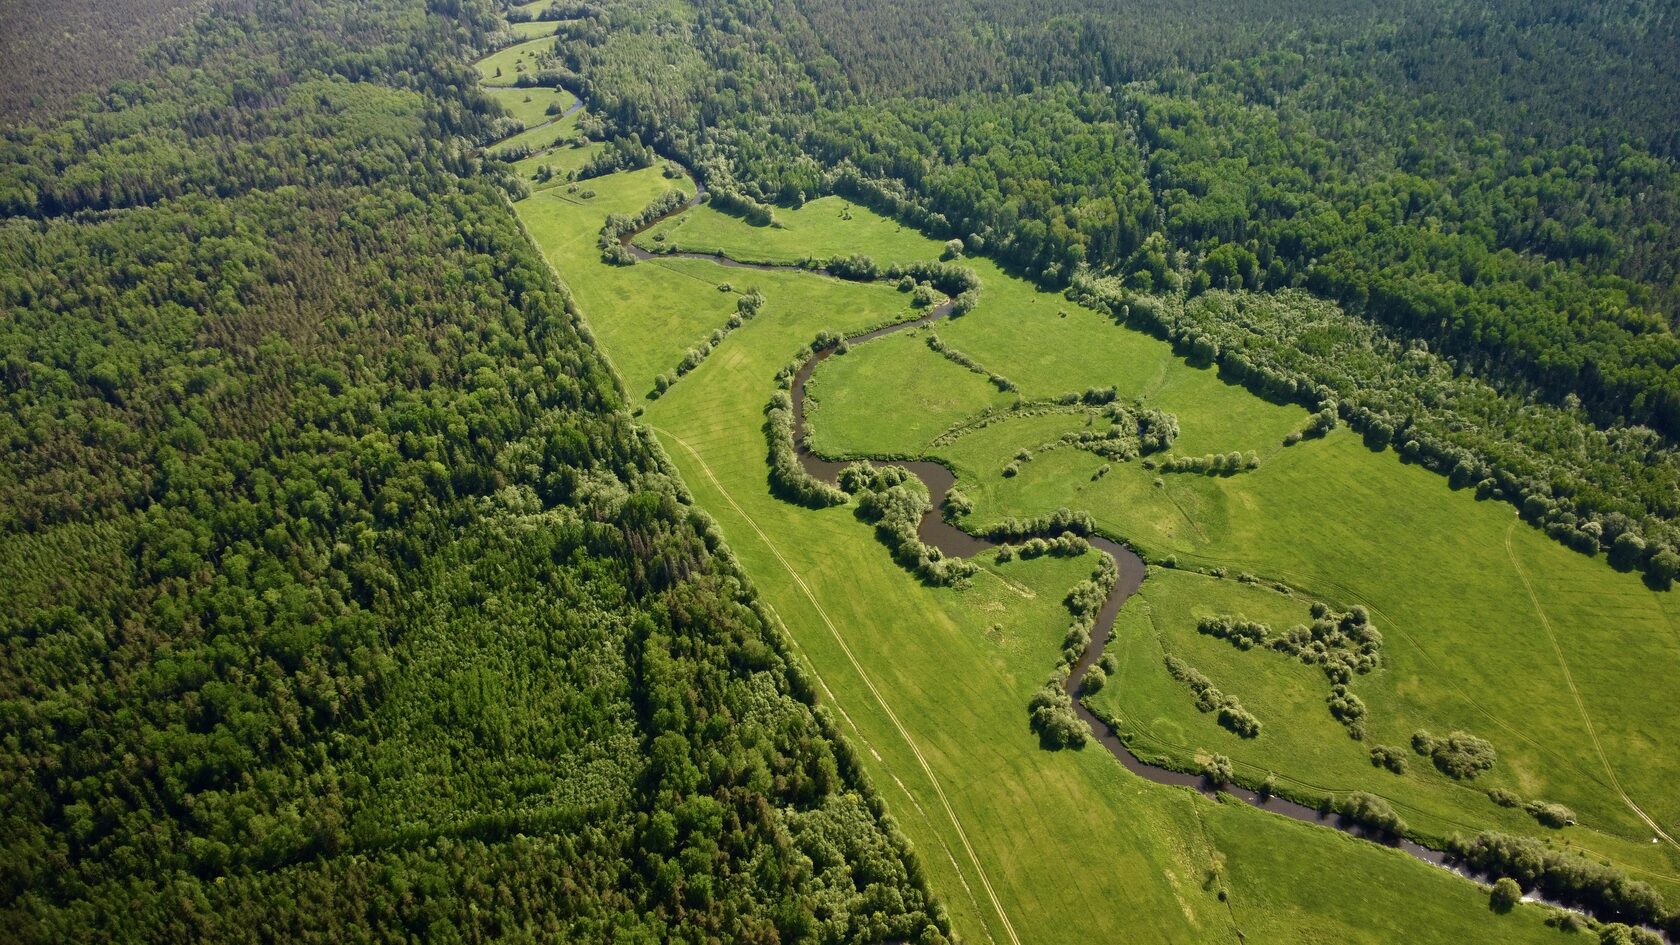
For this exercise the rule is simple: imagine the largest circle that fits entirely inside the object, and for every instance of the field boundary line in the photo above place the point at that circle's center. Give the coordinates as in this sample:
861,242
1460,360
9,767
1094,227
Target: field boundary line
904,733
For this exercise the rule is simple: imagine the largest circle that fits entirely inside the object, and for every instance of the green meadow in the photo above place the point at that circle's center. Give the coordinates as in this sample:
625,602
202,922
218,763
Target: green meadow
931,684
531,105
504,66
827,226
550,136
532,29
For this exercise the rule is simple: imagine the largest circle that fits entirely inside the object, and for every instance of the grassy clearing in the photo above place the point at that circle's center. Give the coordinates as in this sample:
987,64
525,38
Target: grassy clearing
545,133
929,394
504,66
534,8
562,161
534,29
531,105
931,684
828,226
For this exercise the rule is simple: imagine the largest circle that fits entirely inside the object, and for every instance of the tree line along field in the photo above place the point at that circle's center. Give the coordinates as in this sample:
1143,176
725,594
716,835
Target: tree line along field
932,682
1480,613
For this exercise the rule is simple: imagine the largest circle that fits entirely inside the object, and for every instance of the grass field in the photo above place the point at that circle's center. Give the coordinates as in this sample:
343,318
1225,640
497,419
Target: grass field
931,684
504,66
545,133
828,226
534,8
532,29
531,105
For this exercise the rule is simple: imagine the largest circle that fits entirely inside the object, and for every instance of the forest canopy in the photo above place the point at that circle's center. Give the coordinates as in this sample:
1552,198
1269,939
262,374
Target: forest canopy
339,596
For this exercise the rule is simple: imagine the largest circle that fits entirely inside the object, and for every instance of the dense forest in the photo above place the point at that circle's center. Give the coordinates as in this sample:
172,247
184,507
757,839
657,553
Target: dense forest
339,597
52,53
1521,241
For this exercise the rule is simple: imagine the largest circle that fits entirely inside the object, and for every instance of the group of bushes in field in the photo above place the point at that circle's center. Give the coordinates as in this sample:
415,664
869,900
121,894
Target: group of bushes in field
728,200
959,283
1212,464
895,501
1459,755
1050,712
1548,814
746,309
1209,698
1055,523
1565,876
788,479
1343,645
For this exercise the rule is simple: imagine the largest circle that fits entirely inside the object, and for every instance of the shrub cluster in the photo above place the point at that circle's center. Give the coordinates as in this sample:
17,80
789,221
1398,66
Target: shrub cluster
948,278
736,204
1371,812
1065,545
788,479
1050,714
1213,464
1460,755
1562,875
856,267
1390,757
1209,698
626,153
1343,645
1055,523
895,501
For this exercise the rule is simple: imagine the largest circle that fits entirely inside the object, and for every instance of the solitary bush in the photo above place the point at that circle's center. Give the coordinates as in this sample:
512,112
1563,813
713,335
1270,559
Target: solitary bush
1095,678
1505,895
1504,798
1219,771
1551,815
1390,757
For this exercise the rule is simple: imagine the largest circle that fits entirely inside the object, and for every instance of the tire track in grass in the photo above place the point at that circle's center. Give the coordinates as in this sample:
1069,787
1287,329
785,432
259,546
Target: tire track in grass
1580,704
857,667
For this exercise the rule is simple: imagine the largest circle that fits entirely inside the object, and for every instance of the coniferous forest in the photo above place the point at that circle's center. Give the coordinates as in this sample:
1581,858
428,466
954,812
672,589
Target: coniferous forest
339,598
